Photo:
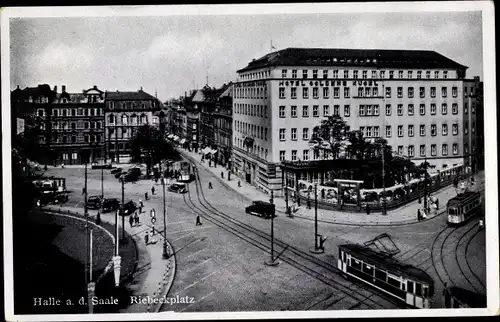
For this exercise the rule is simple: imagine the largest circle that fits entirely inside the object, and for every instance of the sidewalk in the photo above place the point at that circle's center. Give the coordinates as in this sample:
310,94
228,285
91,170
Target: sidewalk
403,215
154,275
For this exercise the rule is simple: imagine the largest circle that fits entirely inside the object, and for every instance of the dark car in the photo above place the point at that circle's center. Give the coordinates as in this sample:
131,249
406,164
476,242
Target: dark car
116,170
119,174
110,204
261,208
101,166
94,202
132,174
177,187
129,208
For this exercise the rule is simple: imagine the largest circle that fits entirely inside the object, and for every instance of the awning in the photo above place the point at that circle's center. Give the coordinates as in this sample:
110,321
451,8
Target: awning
176,138
170,136
183,141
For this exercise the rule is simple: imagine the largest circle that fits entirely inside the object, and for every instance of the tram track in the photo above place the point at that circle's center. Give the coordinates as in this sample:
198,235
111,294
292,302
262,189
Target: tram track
467,260
462,270
293,256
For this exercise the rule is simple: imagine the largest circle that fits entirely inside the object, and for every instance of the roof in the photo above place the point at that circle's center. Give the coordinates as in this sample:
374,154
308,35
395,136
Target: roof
462,197
133,96
40,90
418,59
393,266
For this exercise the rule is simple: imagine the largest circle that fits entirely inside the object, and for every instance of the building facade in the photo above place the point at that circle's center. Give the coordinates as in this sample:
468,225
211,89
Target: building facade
223,121
419,101
125,112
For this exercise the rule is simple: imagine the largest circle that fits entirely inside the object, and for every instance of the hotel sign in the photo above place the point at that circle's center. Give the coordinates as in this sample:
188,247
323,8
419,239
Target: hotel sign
364,82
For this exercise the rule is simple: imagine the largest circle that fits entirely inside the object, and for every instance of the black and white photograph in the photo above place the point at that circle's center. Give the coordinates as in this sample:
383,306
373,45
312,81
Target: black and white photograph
250,161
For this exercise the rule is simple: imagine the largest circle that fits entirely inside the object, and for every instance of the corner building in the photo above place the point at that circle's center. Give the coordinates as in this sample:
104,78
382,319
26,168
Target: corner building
420,101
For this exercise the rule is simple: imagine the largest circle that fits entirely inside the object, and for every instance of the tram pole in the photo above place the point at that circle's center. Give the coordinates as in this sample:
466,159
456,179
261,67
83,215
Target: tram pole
272,261
316,249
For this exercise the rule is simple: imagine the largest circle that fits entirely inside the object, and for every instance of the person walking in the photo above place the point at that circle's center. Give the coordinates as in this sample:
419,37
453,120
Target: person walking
419,215
437,203
146,196
98,218
140,206
210,185
239,183
83,191
131,221
38,204
136,218
146,238
152,190
198,221
367,208
222,174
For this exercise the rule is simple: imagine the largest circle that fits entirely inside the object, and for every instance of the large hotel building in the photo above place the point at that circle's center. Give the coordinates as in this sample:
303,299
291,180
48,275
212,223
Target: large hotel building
420,101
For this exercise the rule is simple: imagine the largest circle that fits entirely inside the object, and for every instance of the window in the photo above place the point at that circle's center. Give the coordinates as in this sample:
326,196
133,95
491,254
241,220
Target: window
282,111
400,92
294,134
388,92
355,75
362,130
265,133
422,130
361,110
466,108
374,74
282,155
73,112
86,125
411,151
111,118
433,150
433,91
315,73
473,107
454,108
305,134
454,91
454,129
382,74
347,110
282,134
365,74
422,109
293,111
369,131
422,92
445,74
304,73
282,92
326,110
400,109
466,127
326,92
388,109
422,150
400,150
455,148
73,139
410,74
294,73
316,92
294,155
433,109
335,74
305,111
336,92
391,74
305,92
400,74
444,149
428,74
444,129
124,119
86,139
376,110
433,129
73,125
436,74
369,110
325,73
410,92
360,91
40,113
400,130
411,130
55,112
315,110
419,74
388,131
444,91
444,109
293,92
346,74
305,155
87,112
283,73
367,92
376,131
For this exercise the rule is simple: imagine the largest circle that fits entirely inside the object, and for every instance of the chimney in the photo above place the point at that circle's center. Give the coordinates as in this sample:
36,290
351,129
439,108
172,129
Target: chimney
141,89
18,87
63,88
186,94
95,86
55,88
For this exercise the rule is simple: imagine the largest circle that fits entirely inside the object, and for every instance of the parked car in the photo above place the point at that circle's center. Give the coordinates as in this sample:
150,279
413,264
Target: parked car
119,174
261,208
94,202
129,207
101,166
178,187
116,170
110,204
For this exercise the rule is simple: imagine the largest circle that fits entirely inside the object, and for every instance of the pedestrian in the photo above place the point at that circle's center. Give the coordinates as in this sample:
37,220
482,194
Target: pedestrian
38,203
308,203
222,174
419,215
367,209
210,185
98,218
152,190
131,221
322,242
437,203
83,191
146,238
239,183
146,196
209,163
62,165
136,218
198,221
156,180
481,224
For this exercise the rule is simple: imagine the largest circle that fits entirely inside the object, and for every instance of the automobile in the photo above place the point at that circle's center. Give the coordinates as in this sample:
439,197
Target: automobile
178,187
94,202
116,170
261,208
101,166
110,204
119,174
129,207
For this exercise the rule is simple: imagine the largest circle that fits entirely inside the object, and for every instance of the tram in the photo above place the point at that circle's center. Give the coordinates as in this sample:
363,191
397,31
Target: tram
462,207
184,171
406,283
457,297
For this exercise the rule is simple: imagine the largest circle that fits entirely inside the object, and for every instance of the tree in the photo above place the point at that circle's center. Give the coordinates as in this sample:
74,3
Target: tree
330,136
148,145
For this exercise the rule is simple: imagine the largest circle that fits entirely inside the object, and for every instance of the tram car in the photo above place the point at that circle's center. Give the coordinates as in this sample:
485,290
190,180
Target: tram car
408,284
457,297
462,207
184,171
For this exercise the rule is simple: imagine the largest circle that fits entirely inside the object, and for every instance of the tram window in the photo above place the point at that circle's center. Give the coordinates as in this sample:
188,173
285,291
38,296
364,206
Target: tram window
355,263
410,286
340,253
425,291
343,256
381,275
367,269
418,290
393,281
403,286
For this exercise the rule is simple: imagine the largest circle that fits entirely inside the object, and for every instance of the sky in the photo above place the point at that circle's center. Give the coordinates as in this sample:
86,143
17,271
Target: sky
174,54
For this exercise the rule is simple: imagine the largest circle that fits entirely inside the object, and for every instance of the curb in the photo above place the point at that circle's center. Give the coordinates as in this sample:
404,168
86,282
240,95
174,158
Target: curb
168,277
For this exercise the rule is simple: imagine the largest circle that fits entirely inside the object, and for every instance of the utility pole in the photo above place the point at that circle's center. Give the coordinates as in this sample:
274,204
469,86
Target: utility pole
272,261
285,190
317,249
123,207
469,130
102,181
165,246
87,258
425,183
384,204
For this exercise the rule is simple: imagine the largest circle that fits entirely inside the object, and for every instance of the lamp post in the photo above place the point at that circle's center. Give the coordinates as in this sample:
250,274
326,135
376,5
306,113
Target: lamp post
122,211
425,183
272,261
284,184
384,204
469,130
87,259
317,249
165,246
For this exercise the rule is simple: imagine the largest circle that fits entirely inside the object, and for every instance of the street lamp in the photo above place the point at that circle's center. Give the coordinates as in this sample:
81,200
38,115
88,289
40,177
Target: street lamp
384,204
166,255
272,261
317,249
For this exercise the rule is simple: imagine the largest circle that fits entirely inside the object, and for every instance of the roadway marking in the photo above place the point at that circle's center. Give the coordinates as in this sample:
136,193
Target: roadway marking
198,265
198,301
192,284
189,230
